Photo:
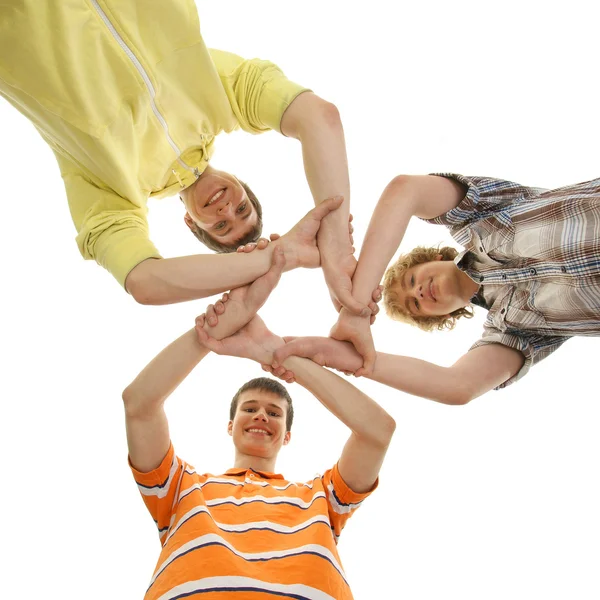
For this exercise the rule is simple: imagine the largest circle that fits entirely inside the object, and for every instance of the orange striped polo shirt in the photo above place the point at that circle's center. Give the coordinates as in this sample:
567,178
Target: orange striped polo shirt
246,534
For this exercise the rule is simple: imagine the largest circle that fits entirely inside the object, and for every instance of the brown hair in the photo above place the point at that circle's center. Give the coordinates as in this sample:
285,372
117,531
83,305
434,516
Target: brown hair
266,385
397,311
252,236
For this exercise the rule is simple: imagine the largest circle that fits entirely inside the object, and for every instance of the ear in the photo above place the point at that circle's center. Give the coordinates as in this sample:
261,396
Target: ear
287,437
439,257
230,428
189,221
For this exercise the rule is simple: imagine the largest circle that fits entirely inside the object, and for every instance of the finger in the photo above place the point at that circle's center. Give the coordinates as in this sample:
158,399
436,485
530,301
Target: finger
239,249
262,243
377,293
200,319
374,308
219,307
350,217
274,236
267,368
211,316
351,229
225,297
249,247
279,371
354,306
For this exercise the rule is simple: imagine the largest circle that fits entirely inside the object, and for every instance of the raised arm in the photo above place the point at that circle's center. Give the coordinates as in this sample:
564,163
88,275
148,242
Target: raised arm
144,398
316,123
371,426
404,197
171,280
475,373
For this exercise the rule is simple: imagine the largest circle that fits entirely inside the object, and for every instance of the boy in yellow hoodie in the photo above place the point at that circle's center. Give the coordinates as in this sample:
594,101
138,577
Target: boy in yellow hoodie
130,100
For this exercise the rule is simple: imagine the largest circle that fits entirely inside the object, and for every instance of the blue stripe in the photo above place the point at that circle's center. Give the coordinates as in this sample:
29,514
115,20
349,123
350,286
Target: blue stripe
249,560
159,485
340,502
242,589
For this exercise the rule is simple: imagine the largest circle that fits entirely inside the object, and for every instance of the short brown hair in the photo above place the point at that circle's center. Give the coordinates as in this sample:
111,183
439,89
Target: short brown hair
394,307
252,236
266,385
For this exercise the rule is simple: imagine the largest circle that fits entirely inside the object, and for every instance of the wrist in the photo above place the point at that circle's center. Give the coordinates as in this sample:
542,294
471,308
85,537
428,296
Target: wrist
289,253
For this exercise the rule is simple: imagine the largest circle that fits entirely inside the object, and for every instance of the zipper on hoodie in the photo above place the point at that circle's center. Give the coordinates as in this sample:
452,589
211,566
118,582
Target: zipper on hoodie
151,91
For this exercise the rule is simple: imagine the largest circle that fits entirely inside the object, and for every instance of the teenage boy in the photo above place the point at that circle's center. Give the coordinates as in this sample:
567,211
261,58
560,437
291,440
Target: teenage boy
130,100
250,532
530,259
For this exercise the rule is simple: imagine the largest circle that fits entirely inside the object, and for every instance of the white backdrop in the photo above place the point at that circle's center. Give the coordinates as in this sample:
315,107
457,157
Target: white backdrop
495,500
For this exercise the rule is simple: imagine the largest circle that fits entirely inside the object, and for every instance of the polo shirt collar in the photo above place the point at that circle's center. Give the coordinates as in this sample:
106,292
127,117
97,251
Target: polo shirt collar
263,474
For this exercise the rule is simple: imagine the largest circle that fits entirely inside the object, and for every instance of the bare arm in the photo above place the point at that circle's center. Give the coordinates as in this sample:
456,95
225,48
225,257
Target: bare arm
171,280
316,123
405,196
372,427
144,398
474,374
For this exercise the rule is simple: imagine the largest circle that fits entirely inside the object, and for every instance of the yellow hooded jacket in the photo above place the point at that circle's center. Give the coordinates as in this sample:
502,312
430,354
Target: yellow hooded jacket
130,100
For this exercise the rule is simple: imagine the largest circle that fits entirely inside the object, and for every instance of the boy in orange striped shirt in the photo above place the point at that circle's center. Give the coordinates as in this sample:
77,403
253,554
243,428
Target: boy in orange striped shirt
249,533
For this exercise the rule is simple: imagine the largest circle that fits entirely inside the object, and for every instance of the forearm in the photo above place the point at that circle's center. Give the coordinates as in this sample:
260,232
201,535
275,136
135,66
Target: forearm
421,378
385,232
147,393
317,125
356,410
172,280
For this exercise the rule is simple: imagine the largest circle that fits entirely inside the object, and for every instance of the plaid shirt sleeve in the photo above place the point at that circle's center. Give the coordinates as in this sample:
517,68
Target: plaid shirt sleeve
534,346
485,196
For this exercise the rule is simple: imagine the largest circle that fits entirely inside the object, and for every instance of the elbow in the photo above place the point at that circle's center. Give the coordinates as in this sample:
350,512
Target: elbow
327,113
128,397
458,395
385,431
138,287
399,185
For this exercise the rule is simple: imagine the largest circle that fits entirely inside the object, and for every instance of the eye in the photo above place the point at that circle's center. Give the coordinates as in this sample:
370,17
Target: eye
274,414
412,281
242,208
417,305
220,225
249,410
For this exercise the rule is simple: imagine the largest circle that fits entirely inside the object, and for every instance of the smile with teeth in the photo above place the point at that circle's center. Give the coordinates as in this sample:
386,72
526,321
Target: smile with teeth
215,198
260,431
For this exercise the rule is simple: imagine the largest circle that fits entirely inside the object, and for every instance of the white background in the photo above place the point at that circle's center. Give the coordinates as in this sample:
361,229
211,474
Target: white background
495,500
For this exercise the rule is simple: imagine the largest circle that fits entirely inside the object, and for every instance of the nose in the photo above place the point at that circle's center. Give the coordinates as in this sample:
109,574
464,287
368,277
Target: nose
420,291
224,210
261,415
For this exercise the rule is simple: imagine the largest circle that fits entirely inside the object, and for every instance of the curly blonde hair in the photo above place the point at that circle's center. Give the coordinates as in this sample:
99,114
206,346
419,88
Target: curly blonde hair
396,309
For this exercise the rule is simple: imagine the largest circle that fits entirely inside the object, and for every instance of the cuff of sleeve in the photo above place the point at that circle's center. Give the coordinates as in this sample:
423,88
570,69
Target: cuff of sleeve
344,493
467,205
276,98
516,343
118,250
158,475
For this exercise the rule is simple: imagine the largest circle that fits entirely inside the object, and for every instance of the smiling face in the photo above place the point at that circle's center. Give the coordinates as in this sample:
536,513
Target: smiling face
259,427
434,288
218,204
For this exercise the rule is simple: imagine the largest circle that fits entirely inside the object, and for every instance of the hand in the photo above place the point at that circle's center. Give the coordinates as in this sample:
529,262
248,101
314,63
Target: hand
254,341
260,245
326,352
244,302
373,305
300,243
356,329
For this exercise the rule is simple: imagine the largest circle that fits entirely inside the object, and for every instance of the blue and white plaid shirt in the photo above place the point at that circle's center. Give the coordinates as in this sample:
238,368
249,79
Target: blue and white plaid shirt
536,254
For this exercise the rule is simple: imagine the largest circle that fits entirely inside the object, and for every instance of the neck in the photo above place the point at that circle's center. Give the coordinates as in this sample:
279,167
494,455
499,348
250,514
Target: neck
468,287
258,463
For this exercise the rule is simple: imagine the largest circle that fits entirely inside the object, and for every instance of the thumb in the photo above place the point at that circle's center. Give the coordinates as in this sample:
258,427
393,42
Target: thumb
369,355
274,236
293,348
327,206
